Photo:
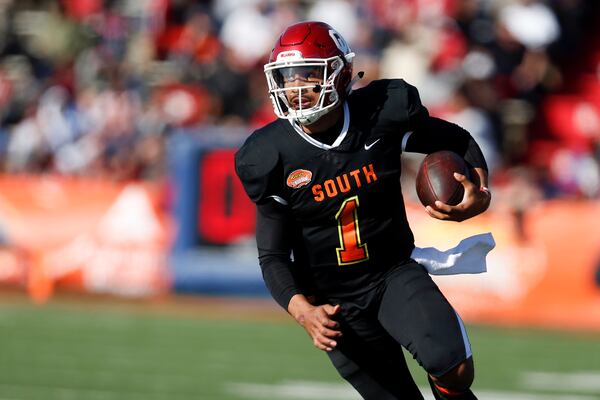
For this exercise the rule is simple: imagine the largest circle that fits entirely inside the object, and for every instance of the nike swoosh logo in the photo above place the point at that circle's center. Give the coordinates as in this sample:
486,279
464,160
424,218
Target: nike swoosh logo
367,147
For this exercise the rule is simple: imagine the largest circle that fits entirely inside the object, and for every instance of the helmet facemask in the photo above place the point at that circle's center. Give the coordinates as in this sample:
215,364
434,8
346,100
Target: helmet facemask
317,75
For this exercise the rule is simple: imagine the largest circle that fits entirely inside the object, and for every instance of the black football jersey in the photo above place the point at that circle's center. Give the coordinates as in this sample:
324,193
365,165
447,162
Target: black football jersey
344,198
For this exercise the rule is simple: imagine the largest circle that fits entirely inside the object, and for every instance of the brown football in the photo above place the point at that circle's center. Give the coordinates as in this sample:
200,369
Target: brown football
435,179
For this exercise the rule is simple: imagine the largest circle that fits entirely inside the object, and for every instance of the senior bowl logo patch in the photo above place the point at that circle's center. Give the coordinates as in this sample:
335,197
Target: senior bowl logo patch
299,178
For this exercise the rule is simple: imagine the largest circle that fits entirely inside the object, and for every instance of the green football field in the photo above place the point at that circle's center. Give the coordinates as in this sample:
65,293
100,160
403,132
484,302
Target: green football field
71,349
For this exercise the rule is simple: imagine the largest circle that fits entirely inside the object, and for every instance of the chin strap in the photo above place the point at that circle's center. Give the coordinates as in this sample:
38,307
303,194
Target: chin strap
311,119
356,78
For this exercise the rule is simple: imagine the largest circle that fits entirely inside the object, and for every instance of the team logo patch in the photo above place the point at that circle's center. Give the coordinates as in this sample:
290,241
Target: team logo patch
299,178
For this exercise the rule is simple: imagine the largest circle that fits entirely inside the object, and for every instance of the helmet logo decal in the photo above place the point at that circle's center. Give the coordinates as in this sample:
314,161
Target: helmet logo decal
289,55
339,41
298,178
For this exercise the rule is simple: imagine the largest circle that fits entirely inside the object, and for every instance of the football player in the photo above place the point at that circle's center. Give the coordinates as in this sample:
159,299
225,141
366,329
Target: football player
332,234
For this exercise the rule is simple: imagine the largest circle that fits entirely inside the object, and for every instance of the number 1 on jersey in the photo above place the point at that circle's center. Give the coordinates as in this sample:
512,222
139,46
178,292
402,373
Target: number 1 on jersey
351,250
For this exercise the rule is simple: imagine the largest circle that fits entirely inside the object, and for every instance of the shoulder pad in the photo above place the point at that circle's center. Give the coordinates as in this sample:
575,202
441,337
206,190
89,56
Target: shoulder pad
417,113
255,165
396,102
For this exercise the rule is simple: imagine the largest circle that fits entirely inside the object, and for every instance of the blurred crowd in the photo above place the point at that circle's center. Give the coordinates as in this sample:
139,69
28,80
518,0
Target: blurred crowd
96,87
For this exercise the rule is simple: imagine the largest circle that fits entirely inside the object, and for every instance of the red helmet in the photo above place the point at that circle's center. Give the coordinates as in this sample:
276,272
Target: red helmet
322,58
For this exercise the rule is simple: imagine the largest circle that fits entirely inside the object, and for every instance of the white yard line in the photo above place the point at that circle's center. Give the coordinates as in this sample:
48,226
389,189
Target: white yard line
582,382
309,390
294,390
82,392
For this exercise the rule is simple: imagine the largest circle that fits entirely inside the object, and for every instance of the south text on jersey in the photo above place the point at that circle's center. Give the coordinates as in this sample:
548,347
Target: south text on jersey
343,183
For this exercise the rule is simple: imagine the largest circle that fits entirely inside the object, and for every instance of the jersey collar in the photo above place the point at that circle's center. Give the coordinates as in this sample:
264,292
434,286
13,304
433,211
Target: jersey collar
321,145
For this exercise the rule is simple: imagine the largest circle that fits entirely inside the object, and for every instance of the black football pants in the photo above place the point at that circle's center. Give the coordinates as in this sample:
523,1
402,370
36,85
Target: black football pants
405,310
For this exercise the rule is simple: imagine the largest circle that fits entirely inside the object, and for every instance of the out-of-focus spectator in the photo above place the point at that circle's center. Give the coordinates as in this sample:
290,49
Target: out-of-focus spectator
339,13
95,87
247,32
478,123
576,174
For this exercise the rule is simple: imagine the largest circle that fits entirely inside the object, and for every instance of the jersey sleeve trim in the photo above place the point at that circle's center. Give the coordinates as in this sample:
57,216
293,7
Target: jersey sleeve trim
279,199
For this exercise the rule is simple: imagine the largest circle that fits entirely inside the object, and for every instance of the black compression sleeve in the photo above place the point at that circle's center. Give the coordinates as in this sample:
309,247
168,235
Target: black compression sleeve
274,249
437,134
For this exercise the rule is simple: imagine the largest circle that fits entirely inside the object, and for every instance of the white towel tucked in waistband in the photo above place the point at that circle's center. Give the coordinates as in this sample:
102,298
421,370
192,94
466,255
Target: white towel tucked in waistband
468,257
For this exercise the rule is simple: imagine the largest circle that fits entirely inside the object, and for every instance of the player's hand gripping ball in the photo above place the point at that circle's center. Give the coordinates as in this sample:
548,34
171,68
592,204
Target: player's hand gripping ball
435,179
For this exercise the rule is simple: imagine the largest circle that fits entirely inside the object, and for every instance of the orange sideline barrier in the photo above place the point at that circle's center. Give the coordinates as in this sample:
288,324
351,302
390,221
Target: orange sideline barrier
108,238
542,278
90,235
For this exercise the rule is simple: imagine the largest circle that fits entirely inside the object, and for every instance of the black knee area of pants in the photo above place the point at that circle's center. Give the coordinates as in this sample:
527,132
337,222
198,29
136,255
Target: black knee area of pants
440,358
347,370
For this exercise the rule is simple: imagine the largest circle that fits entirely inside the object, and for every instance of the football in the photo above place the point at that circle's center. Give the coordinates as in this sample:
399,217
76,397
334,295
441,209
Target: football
435,178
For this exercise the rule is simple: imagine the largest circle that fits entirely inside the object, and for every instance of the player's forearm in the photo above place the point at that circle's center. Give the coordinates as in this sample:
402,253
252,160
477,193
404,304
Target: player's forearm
272,231
437,134
279,279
